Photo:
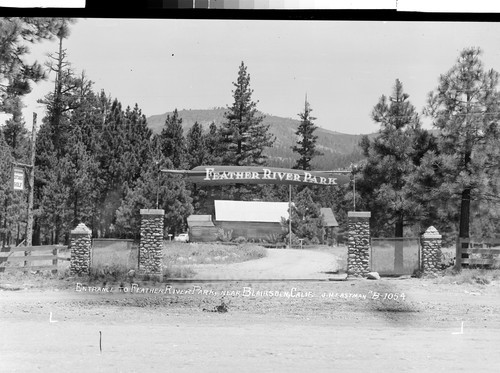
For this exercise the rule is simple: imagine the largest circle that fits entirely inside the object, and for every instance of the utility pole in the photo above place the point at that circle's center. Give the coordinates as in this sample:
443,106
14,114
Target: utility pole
31,185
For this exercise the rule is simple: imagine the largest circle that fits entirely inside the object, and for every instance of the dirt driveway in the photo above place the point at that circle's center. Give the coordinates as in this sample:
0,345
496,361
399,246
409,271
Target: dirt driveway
278,264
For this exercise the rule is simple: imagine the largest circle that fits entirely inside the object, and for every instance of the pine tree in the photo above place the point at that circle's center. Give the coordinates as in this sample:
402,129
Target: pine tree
465,109
197,153
172,195
64,98
15,133
63,159
307,222
306,143
391,158
213,145
17,75
173,142
124,145
12,202
243,134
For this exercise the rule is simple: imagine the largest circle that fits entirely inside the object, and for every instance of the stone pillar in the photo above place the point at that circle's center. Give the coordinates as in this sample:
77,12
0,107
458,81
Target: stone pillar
431,251
81,249
151,245
358,246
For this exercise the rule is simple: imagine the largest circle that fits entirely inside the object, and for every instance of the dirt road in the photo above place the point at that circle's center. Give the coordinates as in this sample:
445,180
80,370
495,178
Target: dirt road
346,326
278,264
226,343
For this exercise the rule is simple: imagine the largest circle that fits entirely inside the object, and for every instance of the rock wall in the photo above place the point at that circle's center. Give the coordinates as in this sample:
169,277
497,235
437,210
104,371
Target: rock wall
358,245
81,249
151,245
431,251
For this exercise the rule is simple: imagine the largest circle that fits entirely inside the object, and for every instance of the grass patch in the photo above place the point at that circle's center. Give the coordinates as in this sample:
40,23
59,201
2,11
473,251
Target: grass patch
469,276
177,253
113,272
170,271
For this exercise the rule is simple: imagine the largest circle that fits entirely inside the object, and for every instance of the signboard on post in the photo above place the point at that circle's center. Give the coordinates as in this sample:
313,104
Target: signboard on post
220,175
18,178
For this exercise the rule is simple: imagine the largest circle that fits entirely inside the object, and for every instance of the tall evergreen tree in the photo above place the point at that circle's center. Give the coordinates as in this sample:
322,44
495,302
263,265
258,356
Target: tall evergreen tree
392,157
12,202
307,222
243,134
173,142
465,109
213,145
124,145
15,133
172,194
306,143
16,74
197,153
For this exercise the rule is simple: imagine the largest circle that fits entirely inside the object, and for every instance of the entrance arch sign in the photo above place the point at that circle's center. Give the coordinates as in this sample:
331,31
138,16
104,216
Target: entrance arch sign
220,175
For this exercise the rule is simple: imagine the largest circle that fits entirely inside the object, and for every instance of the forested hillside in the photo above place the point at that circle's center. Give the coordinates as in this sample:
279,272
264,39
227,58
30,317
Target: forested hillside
339,150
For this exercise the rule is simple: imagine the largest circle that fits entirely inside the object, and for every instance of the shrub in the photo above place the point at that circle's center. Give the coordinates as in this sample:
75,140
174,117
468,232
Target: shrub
223,235
274,238
240,239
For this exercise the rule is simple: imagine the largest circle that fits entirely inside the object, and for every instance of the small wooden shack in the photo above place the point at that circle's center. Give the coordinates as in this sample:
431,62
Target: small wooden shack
201,228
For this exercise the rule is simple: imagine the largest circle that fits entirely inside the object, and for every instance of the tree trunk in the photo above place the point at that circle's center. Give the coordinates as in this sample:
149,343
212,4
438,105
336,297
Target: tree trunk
398,246
464,220
465,206
36,234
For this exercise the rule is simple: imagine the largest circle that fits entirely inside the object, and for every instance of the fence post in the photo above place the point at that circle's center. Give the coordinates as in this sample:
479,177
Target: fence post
431,251
55,252
151,244
458,255
80,246
358,245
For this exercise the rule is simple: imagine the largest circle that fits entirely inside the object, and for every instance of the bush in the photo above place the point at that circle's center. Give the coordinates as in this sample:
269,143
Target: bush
240,239
274,238
223,235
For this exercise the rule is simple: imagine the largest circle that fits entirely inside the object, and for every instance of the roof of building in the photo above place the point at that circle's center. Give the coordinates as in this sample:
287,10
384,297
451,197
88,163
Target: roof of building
329,217
200,221
251,211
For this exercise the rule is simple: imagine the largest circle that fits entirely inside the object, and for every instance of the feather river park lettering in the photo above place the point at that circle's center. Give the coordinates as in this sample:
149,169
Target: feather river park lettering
268,174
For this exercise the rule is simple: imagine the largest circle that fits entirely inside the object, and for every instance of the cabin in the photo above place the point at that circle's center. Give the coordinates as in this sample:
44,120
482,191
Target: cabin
254,220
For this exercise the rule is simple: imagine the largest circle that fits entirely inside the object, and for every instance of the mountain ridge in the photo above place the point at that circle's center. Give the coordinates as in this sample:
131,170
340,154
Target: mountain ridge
339,149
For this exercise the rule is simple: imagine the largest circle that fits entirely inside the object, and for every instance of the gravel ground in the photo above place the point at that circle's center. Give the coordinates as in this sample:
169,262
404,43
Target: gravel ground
388,325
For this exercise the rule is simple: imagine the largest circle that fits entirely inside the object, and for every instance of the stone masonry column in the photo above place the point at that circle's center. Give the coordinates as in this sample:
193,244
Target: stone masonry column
151,245
431,251
358,246
81,249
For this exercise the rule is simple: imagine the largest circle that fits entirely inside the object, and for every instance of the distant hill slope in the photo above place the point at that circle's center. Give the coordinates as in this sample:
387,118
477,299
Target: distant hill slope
340,150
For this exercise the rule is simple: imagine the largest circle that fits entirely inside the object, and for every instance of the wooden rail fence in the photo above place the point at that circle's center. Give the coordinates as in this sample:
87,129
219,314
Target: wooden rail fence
483,252
8,261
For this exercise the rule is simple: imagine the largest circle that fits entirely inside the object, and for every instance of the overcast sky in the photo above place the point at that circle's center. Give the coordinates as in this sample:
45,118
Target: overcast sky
343,66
